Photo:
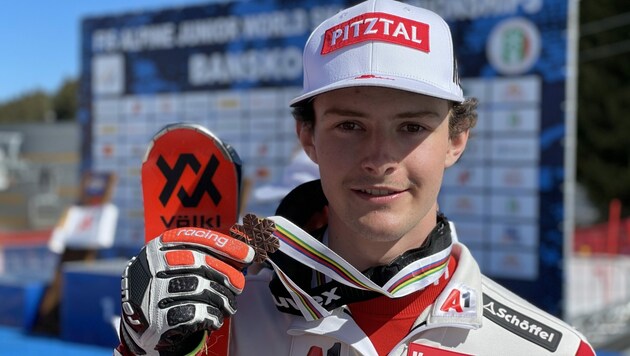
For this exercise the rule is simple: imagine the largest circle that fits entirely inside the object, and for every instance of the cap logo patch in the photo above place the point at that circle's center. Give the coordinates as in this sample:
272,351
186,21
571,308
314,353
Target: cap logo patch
377,26
371,76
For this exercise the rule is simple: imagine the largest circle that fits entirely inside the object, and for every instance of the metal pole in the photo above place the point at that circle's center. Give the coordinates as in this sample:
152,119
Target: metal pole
570,141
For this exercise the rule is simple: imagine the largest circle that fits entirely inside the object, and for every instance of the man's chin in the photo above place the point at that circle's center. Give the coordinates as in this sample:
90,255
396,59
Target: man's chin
375,229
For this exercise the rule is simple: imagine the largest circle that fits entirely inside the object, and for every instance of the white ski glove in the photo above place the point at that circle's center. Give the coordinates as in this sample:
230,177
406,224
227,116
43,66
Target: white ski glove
180,285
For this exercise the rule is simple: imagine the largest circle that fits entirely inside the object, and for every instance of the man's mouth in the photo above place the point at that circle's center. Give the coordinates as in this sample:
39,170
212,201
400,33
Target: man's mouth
377,192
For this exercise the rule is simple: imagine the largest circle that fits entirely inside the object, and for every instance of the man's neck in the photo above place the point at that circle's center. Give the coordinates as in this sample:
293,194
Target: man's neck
362,252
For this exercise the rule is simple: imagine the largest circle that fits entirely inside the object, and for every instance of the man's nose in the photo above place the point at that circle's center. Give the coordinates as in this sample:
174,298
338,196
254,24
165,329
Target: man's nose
378,155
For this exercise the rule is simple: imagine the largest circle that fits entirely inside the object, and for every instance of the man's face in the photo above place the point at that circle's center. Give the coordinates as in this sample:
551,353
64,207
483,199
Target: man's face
382,154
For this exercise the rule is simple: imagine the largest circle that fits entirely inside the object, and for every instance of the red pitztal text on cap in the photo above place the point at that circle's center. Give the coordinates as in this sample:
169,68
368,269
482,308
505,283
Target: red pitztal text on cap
377,26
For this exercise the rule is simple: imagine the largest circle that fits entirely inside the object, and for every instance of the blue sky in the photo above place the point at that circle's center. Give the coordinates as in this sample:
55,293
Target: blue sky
39,39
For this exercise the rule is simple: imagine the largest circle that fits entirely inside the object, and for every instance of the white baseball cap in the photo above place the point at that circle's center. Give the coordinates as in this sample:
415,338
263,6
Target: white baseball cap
382,43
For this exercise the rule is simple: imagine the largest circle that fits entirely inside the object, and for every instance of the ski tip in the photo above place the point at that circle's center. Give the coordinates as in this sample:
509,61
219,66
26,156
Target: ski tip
225,148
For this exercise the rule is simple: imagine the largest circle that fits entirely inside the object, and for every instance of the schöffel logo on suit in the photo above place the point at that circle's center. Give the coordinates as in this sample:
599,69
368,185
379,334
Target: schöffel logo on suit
204,182
377,26
521,325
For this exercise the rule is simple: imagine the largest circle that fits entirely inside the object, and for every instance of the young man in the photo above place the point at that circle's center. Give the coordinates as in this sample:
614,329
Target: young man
383,115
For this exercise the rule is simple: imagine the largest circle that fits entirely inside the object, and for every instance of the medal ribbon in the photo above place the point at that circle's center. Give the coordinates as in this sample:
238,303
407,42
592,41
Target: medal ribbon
304,248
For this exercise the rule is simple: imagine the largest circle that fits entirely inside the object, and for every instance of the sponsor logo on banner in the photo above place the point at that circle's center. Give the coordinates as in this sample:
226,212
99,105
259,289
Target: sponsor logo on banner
108,76
526,150
525,89
463,204
464,177
515,234
511,235
521,325
513,178
514,46
377,26
521,264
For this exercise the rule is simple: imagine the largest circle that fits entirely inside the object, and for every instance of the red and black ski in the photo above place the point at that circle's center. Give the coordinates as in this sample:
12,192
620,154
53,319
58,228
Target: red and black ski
191,178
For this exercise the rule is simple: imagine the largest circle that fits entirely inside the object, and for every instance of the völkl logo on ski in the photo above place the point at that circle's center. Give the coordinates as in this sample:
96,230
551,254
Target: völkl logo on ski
174,174
189,178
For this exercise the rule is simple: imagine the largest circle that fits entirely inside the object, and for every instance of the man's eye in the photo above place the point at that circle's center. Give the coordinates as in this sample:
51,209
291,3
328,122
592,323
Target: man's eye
412,128
348,126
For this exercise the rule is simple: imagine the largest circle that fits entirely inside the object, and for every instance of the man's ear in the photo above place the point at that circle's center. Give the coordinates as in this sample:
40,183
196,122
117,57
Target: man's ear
305,135
457,145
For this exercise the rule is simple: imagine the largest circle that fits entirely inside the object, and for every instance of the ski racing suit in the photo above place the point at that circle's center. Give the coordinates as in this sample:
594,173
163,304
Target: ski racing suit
462,312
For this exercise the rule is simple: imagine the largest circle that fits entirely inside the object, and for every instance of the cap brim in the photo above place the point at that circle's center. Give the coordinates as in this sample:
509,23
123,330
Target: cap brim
409,85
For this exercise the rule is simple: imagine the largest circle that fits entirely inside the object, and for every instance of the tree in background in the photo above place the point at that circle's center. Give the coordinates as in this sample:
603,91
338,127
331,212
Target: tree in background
65,100
39,106
603,128
30,107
